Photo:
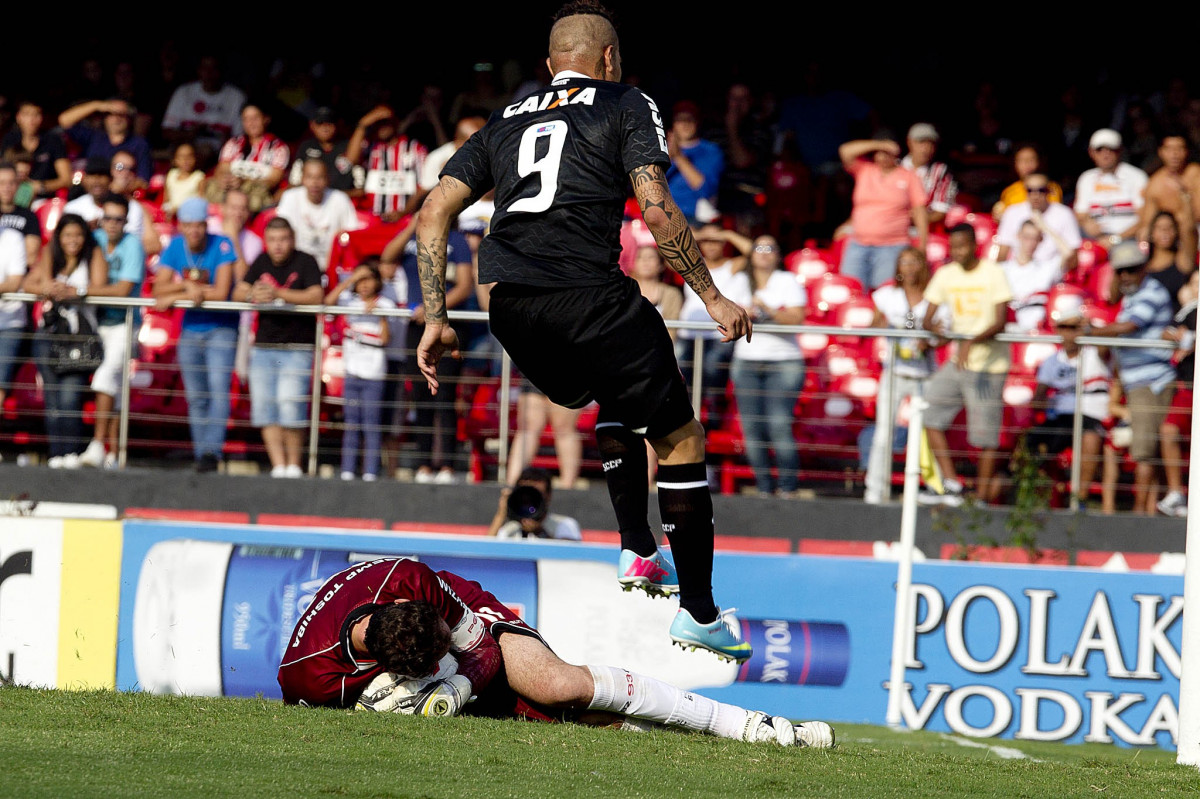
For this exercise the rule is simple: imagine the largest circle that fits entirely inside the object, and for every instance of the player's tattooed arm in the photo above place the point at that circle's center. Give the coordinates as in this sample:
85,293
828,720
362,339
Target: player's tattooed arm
670,228
438,211
431,268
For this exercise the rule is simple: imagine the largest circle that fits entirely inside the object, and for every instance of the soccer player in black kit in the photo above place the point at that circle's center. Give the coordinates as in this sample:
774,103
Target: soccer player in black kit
560,162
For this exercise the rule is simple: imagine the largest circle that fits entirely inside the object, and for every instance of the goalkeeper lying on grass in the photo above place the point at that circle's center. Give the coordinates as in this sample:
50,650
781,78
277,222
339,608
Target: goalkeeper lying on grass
392,635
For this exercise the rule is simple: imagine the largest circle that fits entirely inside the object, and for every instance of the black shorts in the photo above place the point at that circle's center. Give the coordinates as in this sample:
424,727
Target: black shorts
603,343
1057,434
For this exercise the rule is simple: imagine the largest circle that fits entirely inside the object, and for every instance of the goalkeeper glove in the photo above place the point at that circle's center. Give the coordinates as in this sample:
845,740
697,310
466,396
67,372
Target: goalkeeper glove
446,697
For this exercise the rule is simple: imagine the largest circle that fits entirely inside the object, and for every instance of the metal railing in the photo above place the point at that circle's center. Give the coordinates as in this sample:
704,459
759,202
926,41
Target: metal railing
321,313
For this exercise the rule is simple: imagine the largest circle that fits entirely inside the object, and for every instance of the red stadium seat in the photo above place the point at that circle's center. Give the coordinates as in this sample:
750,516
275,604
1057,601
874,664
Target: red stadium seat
857,313
985,231
1027,356
807,264
351,247
48,214
1064,298
1019,413
937,250
840,361
812,345
1098,283
333,372
957,214
788,199
258,224
830,417
158,333
1090,256
861,390
834,252
828,293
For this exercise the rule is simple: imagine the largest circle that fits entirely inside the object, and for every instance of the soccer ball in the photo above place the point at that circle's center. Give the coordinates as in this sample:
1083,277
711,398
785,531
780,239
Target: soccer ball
395,693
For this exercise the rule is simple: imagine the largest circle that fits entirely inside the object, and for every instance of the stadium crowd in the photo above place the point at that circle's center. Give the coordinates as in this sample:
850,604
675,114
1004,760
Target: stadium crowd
812,206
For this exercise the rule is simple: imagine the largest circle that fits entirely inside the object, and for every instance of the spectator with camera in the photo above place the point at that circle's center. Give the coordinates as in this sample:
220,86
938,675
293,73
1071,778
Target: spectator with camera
524,511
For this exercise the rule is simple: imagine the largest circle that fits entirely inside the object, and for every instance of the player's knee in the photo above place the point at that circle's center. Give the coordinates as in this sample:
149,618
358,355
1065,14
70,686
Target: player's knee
683,445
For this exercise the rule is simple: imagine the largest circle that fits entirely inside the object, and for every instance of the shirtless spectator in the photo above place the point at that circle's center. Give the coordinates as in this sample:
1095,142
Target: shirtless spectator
1170,182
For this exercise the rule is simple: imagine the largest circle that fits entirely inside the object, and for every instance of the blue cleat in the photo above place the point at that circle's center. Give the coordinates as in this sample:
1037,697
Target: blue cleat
722,637
655,575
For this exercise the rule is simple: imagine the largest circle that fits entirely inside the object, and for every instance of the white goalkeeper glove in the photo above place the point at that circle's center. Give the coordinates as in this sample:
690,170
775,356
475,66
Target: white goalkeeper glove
442,694
444,697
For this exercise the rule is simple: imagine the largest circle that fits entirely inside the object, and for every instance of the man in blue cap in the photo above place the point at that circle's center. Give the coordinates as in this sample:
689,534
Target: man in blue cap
199,266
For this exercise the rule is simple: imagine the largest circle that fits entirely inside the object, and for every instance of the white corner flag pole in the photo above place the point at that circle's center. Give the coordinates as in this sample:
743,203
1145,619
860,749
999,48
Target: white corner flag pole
902,627
1188,743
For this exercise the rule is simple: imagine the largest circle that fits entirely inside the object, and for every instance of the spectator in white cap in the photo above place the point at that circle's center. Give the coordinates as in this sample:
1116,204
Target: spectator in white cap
940,188
1108,197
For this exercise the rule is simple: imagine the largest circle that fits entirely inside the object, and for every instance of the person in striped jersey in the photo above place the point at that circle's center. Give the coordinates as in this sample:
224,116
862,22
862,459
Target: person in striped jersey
392,161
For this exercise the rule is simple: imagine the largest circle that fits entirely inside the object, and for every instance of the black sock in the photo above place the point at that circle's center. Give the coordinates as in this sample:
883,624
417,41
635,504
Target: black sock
687,518
623,453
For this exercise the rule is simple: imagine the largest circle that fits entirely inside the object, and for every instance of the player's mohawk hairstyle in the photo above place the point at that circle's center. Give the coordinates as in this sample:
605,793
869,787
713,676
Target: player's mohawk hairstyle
407,638
583,7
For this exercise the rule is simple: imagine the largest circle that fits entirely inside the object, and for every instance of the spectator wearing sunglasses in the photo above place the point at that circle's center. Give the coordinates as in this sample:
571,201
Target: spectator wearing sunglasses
1056,220
768,372
1026,160
1147,374
126,269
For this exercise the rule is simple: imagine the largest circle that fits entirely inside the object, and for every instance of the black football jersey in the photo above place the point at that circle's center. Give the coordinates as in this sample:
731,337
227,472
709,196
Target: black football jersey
559,161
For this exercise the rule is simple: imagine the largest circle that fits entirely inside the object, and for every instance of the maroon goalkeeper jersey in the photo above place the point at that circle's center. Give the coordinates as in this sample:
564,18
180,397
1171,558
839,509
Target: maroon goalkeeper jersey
319,666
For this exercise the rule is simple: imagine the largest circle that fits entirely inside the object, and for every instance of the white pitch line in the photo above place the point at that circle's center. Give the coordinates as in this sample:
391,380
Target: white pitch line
1004,752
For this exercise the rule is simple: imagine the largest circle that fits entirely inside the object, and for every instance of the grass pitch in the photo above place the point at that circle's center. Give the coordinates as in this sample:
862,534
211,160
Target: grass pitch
107,744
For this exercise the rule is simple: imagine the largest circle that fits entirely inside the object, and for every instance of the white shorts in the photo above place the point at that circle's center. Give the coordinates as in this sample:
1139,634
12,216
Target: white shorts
107,378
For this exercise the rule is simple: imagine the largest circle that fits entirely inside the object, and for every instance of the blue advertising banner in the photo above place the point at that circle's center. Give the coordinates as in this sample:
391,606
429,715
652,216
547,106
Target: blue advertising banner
998,651
1046,654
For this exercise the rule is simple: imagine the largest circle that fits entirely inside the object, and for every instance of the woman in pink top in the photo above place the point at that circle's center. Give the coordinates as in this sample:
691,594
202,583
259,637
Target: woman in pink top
887,199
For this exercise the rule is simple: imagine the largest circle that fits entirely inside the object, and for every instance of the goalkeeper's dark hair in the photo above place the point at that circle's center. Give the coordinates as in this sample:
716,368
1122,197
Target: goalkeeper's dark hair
583,7
407,638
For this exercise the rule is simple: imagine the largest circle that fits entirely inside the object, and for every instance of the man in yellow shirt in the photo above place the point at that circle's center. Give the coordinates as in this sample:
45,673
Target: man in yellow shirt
977,294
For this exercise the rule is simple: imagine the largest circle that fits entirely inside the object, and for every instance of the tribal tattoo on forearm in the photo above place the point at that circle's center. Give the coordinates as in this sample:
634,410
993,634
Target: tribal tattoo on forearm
675,240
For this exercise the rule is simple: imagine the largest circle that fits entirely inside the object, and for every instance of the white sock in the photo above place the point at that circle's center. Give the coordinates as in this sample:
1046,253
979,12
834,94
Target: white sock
620,691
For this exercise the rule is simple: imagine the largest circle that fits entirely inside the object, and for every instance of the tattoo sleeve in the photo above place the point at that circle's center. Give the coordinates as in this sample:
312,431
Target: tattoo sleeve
445,202
431,267
671,229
